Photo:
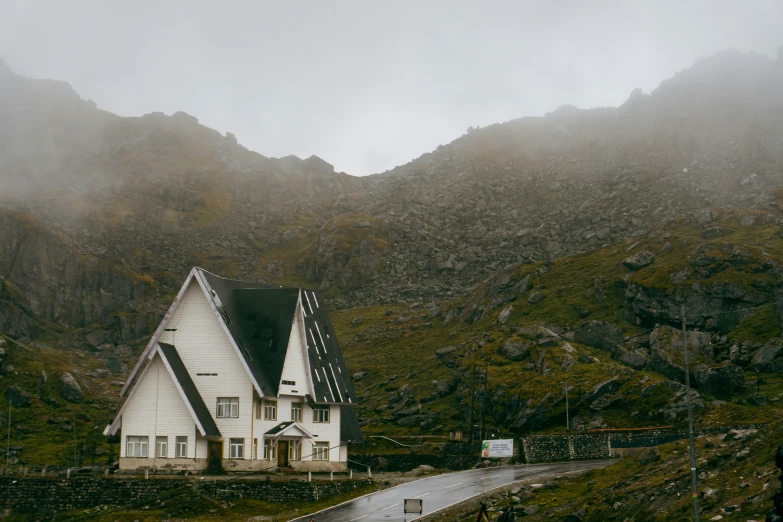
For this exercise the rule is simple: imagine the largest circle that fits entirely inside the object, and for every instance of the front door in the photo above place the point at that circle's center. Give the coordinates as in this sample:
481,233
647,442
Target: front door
282,454
215,456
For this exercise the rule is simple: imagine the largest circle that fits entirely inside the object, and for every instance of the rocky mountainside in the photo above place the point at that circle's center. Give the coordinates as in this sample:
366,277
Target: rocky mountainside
164,192
532,245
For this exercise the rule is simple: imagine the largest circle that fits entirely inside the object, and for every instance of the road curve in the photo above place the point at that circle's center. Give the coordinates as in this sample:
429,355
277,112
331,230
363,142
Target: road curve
441,491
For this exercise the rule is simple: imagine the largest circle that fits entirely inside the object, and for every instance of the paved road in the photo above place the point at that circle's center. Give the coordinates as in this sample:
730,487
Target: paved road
440,491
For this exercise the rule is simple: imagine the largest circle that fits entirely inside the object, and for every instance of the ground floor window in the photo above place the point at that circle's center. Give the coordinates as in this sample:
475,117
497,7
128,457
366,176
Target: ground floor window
162,445
321,451
182,447
294,450
255,449
270,449
137,446
237,449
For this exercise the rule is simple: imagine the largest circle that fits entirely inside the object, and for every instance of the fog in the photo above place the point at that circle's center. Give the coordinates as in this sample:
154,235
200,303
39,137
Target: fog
369,85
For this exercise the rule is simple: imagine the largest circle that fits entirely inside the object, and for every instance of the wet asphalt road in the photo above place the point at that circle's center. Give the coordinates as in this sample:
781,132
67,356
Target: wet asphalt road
440,491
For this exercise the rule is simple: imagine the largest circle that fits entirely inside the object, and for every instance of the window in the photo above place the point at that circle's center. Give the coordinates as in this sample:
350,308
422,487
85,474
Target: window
255,449
294,450
270,449
236,449
270,410
258,408
228,407
321,451
296,411
182,447
137,446
162,447
289,383
321,414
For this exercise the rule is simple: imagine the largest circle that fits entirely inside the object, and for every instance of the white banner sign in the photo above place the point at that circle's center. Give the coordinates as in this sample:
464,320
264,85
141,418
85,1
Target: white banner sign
497,448
413,505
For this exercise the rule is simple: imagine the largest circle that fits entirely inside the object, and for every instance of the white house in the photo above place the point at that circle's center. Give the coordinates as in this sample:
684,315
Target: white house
239,376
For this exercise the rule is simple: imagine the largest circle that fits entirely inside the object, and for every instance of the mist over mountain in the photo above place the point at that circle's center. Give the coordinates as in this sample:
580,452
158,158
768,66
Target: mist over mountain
529,189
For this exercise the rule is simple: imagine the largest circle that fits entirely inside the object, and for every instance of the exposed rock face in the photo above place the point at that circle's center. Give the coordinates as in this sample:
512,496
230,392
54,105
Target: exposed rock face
639,260
70,389
720,381
599,334
667,351
47,278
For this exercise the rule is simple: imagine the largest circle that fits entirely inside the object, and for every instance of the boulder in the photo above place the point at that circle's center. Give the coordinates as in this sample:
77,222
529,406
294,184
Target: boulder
599,334
515,350
356,321
719,381
650,456
639,260
766,354
636,359
712,232
70,389
535,297
666,353
442,352
505,314
18,397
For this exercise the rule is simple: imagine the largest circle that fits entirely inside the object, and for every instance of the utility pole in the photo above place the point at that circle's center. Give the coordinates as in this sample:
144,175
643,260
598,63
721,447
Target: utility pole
568,424
8,446
472,401
694,478
484,404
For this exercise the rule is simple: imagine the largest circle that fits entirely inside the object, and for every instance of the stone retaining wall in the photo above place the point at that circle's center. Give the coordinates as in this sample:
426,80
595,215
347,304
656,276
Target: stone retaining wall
58,494
604,445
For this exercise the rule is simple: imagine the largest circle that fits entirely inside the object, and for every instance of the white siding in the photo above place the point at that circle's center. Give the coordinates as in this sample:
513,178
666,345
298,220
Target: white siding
157,409
204,347
294,368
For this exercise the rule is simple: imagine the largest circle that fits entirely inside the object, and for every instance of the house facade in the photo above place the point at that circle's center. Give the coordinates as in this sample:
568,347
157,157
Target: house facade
240,377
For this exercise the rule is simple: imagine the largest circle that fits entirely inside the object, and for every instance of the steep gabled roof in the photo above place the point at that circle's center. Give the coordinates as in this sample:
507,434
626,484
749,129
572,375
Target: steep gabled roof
331,382
188,388
258,319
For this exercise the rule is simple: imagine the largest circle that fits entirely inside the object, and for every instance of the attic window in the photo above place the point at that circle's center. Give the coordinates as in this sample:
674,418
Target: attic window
290,383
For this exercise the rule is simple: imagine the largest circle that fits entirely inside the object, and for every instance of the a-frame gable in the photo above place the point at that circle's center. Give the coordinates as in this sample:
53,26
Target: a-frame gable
184,385
152,344
197,276
296,367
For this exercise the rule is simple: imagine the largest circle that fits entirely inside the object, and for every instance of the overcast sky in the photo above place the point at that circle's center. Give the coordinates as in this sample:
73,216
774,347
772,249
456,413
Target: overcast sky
369,84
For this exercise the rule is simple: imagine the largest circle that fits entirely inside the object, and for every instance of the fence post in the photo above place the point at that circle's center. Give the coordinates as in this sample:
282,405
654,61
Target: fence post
68,473
309,476
43,471
106,472
350,471
369,472
331,475
146,473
